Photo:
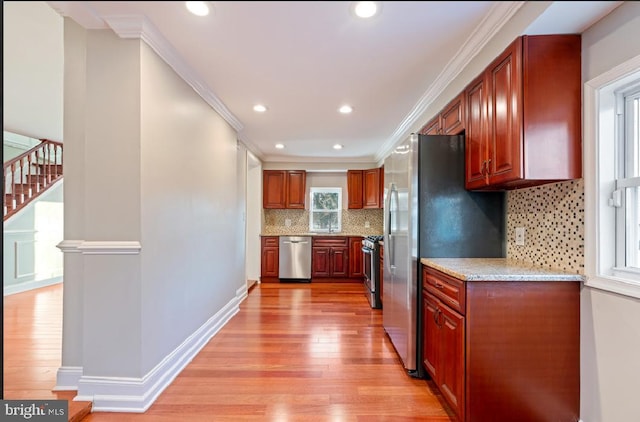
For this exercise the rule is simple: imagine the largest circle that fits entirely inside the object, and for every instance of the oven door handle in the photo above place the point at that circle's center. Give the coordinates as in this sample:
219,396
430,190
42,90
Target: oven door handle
367,250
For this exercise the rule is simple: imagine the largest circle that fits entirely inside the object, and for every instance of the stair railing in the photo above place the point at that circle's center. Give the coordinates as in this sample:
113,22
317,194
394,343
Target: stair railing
31,173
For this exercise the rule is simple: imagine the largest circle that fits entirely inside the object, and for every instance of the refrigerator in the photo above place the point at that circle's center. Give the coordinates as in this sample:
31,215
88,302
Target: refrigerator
429,214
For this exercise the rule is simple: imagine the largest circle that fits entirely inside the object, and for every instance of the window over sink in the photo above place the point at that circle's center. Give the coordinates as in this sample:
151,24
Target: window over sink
325,213
612,180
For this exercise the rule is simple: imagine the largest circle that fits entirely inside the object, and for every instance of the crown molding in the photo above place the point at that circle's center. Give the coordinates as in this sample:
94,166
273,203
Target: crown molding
494,20
139,27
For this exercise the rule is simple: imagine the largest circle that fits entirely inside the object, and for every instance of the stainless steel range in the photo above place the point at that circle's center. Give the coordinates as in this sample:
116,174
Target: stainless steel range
371,266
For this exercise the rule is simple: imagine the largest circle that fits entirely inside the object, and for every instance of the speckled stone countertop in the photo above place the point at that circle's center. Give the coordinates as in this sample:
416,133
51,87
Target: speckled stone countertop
497,269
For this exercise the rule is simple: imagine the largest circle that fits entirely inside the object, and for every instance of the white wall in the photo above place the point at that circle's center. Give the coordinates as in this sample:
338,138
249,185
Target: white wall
32,69
190,213
156,255
254,213
610,329
30,258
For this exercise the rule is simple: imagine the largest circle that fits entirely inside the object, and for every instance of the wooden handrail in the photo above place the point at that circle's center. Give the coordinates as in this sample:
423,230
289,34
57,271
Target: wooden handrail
28,175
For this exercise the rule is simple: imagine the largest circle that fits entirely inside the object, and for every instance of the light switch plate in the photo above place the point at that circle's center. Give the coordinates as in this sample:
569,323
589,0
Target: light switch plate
367,225
520,236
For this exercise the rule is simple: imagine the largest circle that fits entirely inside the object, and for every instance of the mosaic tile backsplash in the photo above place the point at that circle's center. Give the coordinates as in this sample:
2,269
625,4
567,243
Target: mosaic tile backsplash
553,218
552,215
353,222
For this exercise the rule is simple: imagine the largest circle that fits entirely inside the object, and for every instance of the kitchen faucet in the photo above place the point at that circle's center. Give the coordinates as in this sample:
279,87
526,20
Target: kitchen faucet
329,226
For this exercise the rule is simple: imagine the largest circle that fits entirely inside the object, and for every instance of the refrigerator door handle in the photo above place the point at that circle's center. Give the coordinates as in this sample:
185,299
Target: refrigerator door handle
389,250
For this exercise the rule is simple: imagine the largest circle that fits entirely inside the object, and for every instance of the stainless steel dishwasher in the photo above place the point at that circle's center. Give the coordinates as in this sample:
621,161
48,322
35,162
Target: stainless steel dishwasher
295,258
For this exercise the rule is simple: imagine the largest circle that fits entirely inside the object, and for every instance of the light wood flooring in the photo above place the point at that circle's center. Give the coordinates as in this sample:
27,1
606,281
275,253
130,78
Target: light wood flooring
32,340
294,352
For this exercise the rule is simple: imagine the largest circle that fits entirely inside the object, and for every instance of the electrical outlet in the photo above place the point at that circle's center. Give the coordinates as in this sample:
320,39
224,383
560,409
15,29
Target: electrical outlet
520,236
287,222
367,225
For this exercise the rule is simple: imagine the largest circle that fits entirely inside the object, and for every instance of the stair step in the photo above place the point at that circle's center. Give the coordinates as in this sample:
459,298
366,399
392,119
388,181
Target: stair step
78,410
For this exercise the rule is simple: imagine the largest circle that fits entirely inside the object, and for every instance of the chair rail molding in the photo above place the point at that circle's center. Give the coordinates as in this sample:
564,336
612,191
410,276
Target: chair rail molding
101,247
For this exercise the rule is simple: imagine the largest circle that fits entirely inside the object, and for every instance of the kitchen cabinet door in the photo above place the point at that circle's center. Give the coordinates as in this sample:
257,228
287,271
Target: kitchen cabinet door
330,257
451,357
524,115
321,262
475,136
504,148
340,262
274,184
356,258
371,188
296,189
354,189
283,189
269,266
443,350
365,188
452,116
432,127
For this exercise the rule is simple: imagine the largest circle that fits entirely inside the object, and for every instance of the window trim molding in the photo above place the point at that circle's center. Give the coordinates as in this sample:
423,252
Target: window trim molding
338,212
593,180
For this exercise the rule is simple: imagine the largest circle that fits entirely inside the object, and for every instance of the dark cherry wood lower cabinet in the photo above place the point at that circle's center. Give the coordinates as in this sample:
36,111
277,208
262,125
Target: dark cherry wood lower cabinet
330,258
270,262
356,259
503,351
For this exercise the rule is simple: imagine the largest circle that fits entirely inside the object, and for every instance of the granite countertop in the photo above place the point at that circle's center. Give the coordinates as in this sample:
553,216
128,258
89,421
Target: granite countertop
497,269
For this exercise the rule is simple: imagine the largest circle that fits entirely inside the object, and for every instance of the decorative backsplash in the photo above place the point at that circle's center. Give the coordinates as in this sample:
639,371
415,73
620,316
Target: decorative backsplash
553,216
353,222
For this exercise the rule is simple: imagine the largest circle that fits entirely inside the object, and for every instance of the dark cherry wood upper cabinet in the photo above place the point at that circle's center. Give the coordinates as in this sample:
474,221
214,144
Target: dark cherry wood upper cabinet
354,189
273,188
452,117
296,191
450,120
531,133
371,188
476,134
283,189
364,188
432,127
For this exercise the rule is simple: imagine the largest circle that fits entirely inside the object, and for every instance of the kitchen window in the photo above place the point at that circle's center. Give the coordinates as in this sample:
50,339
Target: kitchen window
325,214
612,180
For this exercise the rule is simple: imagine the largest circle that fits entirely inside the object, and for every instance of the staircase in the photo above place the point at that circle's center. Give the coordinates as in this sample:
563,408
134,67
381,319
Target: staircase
30,174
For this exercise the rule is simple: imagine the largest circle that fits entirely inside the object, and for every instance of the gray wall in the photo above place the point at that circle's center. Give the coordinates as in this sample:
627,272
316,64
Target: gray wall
610,337
144,170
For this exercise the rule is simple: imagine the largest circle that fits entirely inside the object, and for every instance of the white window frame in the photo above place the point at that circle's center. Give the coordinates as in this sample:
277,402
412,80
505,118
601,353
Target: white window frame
338,211
601,131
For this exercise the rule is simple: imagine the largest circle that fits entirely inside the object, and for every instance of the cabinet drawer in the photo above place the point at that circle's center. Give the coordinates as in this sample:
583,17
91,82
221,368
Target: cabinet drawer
270,241
446,288
338,241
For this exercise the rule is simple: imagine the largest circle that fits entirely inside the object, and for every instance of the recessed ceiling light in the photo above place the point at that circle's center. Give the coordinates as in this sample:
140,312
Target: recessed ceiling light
366,9
259,108
345,109
337,146
198,8
280,146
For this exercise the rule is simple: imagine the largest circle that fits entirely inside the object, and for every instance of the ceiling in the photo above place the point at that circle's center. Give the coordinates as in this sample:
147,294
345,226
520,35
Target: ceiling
304,59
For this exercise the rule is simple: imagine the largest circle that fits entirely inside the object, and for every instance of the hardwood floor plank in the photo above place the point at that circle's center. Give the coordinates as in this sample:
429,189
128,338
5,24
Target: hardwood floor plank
294,352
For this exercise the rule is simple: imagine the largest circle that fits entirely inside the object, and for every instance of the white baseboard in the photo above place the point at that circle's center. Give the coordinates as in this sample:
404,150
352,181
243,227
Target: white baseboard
67,378
136,395
242,293
30,285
